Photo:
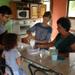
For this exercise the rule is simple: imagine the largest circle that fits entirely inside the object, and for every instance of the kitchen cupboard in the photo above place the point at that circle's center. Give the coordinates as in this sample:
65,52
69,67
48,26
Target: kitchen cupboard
14,10
17,7
42,9
35,10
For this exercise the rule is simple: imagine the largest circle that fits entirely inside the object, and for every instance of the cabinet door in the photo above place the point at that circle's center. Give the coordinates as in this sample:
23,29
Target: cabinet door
14,10
34,11
41,10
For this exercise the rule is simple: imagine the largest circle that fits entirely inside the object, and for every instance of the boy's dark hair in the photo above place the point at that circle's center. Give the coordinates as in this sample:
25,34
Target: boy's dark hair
10,40
5,10
64,22
47,14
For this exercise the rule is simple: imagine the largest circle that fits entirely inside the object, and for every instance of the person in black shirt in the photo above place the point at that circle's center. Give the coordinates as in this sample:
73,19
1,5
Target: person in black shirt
65,40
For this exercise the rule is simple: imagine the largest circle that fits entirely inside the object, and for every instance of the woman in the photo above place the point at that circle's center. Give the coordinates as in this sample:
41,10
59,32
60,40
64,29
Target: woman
64,41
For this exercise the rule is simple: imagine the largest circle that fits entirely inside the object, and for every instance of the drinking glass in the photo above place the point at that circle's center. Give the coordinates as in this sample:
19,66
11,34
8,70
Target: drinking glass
43,53
53,53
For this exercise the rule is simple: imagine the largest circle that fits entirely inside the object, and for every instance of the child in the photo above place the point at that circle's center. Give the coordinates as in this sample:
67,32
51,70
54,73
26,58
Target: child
11,53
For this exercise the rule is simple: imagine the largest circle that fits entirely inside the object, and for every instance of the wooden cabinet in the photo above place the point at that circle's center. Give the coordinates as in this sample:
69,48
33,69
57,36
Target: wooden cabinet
14,9
35,10
42,9
17,6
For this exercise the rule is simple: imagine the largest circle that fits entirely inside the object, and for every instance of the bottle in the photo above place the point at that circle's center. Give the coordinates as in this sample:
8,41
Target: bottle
53,53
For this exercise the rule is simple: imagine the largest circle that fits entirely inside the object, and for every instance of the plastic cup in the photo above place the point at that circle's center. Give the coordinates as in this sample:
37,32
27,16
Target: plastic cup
54,54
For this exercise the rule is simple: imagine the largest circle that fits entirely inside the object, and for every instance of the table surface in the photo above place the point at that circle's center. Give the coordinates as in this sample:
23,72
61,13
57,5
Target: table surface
61,66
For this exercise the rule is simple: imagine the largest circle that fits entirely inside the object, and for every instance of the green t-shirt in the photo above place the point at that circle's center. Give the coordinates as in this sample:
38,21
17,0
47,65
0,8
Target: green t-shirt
9,26
63,45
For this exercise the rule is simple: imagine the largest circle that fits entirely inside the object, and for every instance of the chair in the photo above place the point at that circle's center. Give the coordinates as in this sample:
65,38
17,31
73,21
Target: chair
3,66
35,70
10,72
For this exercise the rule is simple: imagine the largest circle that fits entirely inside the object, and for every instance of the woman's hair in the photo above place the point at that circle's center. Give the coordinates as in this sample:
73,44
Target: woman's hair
47,14
5,10
64,22
10,41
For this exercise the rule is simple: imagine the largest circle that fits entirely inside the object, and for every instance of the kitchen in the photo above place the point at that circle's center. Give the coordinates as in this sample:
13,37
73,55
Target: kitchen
23,22
26,14
54,7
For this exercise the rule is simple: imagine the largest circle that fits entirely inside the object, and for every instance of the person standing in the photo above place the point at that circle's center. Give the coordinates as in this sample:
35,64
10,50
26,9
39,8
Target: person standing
42,30
5,13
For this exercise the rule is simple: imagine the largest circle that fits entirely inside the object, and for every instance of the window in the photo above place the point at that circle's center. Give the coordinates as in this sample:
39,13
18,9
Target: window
71,8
